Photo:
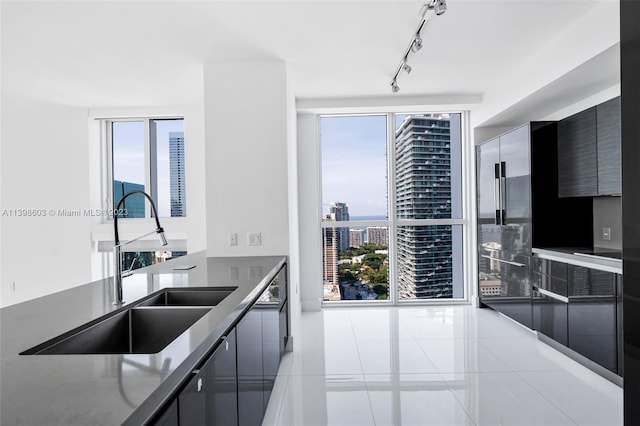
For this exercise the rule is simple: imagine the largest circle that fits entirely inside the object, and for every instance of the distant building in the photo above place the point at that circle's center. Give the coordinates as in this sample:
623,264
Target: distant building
176,174
423,188
356,237
133,206
378,235
340,212
330,262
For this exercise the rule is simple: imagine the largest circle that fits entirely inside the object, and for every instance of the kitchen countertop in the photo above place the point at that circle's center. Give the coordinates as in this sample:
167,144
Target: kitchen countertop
115,389
568,255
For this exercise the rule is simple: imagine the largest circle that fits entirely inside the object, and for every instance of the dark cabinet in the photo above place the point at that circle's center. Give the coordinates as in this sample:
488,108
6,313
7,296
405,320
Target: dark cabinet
609,146
504,224
550,301
210,397
578,155
169,416
592,315
258,340
589,147
233,386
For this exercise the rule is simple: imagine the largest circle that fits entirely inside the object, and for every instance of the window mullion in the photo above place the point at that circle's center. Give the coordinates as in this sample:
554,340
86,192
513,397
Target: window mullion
148,152
391,206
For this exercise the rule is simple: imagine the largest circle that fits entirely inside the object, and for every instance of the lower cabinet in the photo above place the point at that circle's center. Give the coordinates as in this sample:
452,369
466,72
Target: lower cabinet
210,398
550,301
580,308
592,315
169,417
234,384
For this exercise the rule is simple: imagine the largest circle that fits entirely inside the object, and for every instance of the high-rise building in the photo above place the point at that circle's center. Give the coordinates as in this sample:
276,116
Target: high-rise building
356,237
423,180
340,212
330,261
133,206
176,174
378,235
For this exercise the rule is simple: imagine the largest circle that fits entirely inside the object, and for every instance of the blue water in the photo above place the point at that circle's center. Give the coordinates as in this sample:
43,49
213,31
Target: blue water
384,217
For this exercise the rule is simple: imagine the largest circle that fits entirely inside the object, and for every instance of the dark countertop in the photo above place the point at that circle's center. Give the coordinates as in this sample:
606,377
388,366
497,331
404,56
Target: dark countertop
115,389
595,258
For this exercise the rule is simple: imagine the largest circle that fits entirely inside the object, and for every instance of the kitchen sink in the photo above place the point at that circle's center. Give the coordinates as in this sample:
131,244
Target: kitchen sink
194,296
138,330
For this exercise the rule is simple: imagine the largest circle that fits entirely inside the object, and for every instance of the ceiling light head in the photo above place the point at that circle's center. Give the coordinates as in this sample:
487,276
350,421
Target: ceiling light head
441,7
394,87
417,43
406,67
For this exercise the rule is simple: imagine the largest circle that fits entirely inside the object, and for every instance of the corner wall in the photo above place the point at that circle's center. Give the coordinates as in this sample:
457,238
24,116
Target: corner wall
245,107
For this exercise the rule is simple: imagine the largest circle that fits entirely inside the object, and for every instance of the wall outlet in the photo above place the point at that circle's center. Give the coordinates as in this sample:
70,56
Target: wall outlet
234,273
254,238
606,234
233,239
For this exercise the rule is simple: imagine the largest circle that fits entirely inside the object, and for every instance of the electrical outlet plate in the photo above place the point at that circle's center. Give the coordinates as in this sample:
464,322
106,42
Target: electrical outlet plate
254,238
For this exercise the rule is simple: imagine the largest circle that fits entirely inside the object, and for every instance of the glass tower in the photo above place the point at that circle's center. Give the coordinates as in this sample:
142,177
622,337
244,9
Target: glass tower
423,191
176,174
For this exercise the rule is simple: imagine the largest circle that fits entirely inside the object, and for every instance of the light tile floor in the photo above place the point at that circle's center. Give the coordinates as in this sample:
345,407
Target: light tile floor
436,365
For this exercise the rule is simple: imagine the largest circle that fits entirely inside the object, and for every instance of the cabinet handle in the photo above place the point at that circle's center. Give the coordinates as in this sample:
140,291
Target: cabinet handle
552,295
503,193
226,345
518,264
199,384
497,193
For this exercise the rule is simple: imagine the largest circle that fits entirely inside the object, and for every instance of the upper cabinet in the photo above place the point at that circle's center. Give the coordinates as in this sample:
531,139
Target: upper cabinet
578,155
609,176
589,152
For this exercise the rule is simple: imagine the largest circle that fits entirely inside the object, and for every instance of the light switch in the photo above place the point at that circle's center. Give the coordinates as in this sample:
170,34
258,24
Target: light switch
606,234
254,238
233,239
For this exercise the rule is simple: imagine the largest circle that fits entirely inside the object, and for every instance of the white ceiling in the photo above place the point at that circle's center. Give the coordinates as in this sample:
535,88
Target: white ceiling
115,53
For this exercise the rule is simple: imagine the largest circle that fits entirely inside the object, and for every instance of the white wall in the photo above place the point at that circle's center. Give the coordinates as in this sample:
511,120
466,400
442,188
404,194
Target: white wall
45,166
246,157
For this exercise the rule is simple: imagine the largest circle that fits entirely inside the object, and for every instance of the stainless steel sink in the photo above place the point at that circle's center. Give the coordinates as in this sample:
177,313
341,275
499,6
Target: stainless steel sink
138,330
194,296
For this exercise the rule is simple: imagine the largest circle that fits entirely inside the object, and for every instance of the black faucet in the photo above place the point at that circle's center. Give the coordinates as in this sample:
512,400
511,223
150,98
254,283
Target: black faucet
117,252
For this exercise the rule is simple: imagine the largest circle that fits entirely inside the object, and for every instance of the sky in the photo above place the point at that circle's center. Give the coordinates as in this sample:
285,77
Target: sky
354,163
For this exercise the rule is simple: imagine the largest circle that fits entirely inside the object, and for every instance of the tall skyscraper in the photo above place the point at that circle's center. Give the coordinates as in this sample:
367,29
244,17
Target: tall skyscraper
340,212
176,174
423,179
330,261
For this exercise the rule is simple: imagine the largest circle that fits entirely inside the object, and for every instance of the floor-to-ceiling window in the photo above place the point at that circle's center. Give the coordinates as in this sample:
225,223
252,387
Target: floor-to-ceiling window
392,210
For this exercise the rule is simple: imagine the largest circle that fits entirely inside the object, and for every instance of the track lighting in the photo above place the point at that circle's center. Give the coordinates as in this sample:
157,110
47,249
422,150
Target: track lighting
432,7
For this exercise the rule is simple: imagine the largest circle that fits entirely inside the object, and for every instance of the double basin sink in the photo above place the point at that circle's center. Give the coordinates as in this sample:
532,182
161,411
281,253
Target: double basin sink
146,327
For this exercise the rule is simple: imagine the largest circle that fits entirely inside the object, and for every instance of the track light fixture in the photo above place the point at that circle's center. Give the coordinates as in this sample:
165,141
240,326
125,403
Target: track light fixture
416,44
432,7
406,67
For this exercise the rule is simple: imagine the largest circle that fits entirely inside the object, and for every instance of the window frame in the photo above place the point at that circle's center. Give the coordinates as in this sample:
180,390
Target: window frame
393,222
